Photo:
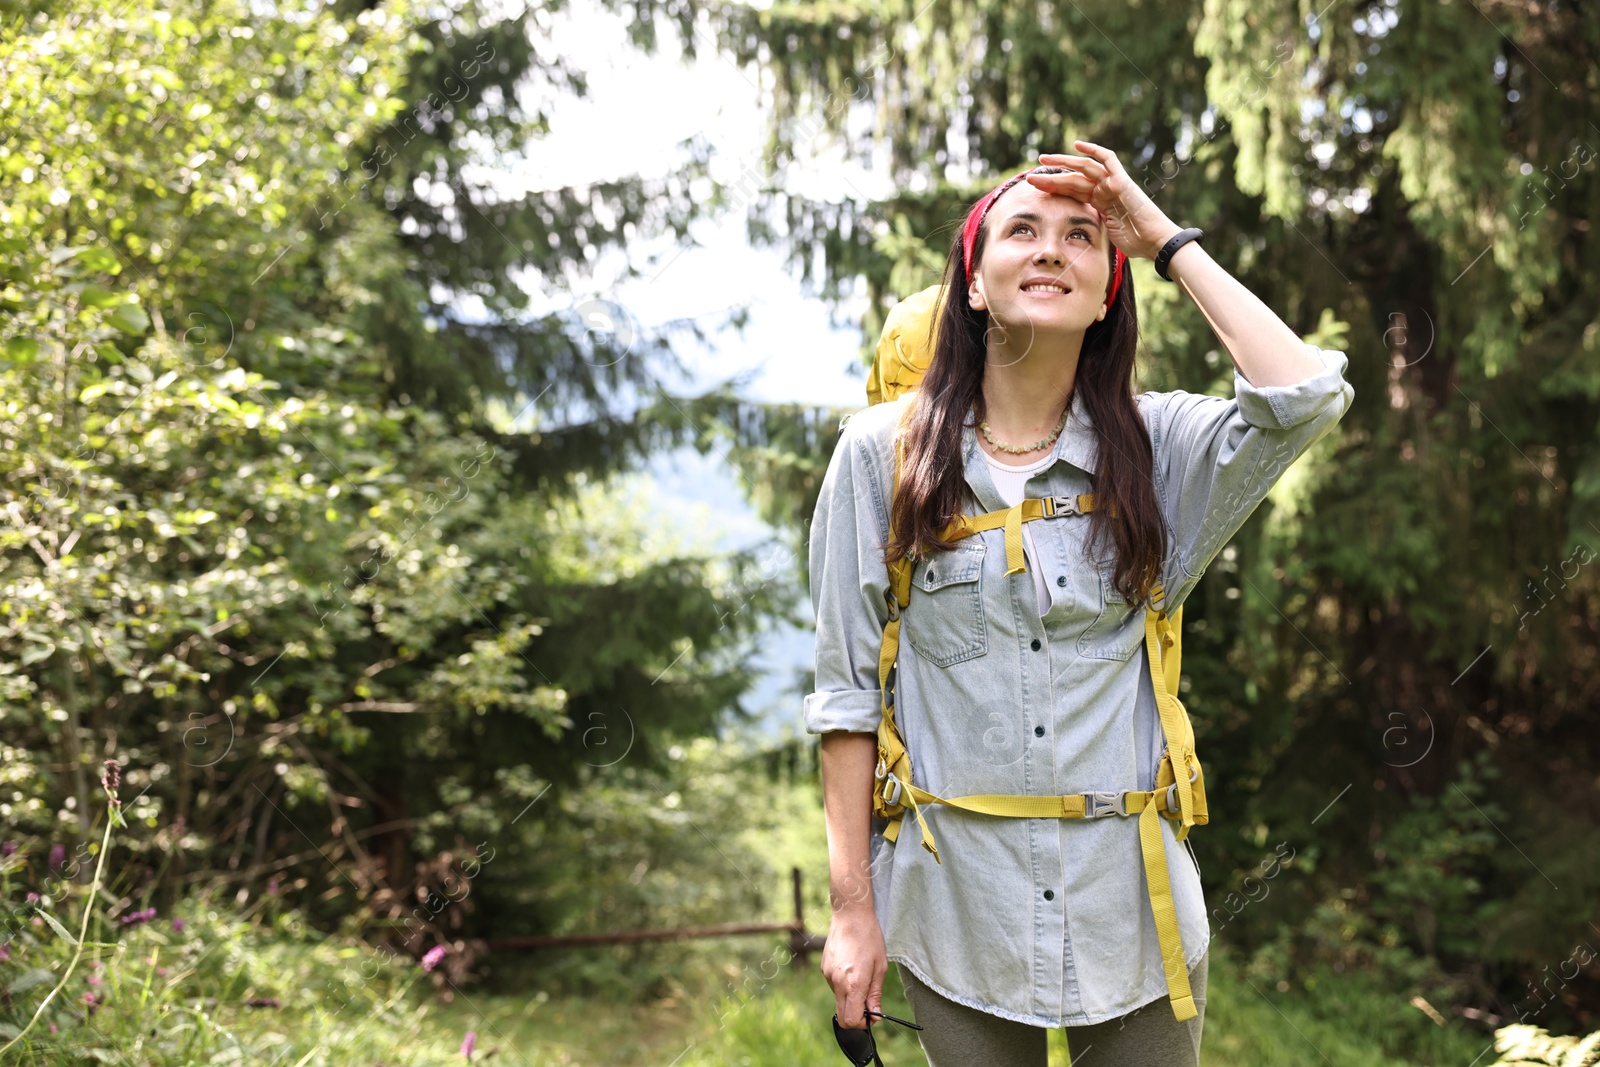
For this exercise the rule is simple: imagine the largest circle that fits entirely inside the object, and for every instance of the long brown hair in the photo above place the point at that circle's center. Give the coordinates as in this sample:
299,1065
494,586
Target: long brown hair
933,487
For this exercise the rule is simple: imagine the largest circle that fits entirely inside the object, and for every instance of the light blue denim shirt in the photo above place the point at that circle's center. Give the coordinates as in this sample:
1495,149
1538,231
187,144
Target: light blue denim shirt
1045,921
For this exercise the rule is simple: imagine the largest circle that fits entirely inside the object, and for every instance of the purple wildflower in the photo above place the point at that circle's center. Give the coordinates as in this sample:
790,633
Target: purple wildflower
58,857
431,958
469,1044
137,917
177,924
7,848
33,898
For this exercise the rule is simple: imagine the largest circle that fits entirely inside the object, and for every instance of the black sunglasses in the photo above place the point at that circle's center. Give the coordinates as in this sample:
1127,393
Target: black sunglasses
858,1044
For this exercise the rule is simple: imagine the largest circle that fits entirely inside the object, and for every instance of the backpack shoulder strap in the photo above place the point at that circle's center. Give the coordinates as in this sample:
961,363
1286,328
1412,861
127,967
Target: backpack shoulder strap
893,759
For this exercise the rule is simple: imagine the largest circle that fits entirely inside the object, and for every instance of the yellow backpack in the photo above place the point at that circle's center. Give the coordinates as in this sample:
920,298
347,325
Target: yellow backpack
904,351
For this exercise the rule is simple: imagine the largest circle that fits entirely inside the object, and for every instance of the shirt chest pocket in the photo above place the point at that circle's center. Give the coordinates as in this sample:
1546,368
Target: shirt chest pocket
1118,629
944,620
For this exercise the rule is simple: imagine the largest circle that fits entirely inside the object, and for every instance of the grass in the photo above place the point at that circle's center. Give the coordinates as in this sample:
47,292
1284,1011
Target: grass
169,998
784,1022
767,1016
165,997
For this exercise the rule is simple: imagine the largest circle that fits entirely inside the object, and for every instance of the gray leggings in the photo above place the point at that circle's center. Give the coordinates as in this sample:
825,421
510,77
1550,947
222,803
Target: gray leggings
955,1035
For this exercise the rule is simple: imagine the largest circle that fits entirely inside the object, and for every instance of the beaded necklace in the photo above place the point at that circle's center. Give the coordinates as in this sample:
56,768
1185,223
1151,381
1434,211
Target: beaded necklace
1043,442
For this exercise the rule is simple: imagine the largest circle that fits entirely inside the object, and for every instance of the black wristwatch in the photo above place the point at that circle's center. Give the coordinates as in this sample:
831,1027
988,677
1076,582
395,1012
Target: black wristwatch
1179,239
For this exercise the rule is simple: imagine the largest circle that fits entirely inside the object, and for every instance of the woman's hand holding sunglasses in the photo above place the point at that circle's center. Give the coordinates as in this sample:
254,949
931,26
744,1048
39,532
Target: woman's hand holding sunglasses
854,961
858,1044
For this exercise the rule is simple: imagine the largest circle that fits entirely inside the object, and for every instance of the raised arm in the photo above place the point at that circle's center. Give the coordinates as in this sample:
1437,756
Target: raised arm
1215,458
1262,346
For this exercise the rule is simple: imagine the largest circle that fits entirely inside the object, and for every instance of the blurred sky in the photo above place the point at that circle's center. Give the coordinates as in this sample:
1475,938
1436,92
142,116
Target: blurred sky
637,111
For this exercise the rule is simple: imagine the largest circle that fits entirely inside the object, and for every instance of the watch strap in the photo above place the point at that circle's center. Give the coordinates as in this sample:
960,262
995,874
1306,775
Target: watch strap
1179,239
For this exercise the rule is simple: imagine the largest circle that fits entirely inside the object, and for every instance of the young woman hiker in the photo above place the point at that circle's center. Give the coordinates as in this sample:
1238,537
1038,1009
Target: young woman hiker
991,686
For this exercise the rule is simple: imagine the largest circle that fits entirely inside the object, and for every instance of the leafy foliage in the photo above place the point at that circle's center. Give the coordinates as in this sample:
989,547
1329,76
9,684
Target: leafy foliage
288,537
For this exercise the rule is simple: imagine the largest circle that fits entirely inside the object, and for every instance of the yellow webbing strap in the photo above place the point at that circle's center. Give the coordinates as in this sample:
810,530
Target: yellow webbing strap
1012,518
1165,913
1035,805
1165,654
893,759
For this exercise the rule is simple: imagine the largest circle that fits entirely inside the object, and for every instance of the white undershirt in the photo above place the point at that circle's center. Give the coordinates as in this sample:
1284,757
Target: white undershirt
1010,481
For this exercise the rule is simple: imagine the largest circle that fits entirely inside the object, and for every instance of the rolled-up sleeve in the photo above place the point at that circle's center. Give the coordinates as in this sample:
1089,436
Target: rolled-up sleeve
1216,459
848,587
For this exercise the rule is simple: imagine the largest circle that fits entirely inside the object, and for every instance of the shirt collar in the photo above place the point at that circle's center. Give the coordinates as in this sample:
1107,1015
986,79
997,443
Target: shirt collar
1077,445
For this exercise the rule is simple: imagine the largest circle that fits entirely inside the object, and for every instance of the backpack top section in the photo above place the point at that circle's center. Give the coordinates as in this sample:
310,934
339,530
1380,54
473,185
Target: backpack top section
905,348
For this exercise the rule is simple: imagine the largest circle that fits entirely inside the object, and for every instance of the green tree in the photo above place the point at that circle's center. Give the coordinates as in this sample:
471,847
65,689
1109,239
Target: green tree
275,538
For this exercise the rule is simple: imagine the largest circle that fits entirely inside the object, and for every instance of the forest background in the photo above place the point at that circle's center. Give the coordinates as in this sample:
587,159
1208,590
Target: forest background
329,517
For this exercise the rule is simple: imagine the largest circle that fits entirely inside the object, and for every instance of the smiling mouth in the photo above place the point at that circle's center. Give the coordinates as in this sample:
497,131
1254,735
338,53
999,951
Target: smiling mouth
1047,289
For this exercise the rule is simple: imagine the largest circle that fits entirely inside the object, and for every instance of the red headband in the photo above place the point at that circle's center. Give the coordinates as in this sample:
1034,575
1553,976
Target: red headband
975,217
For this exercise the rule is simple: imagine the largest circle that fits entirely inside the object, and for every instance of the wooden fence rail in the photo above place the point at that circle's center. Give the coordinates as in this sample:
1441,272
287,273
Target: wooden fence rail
801,943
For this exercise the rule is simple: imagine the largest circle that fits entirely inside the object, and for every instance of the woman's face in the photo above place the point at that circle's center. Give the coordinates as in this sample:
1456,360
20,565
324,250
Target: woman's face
1045,266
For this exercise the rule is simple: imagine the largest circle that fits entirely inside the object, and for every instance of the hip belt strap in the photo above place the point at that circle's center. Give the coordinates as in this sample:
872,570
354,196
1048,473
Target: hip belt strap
1147,804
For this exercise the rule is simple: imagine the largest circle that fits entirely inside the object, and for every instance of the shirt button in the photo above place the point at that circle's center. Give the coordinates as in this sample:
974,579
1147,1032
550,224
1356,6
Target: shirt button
1038,731
1062,580
1049,894
1036,644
